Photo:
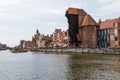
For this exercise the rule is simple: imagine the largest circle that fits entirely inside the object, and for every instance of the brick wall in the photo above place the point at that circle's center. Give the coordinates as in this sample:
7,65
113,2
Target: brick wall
88,35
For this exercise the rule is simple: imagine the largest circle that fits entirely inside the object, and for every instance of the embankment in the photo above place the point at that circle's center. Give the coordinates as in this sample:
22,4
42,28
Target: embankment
82,50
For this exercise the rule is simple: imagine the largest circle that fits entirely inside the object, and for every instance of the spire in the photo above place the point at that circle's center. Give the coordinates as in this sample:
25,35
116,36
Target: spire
37,31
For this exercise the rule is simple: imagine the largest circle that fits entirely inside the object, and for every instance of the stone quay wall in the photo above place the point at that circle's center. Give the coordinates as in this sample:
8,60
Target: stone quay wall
82,50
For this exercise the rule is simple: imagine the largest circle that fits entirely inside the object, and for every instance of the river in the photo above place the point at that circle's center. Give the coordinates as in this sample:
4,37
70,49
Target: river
51,66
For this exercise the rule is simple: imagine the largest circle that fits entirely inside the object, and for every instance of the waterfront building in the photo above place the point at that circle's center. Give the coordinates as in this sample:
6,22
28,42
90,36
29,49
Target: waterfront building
3,46
33,42
25,44
57,35
36,39
40,40
46,41
109,33
82,29
59,38
65,38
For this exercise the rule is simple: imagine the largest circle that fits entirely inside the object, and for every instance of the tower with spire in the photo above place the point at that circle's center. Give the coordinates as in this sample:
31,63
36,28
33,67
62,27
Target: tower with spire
37,31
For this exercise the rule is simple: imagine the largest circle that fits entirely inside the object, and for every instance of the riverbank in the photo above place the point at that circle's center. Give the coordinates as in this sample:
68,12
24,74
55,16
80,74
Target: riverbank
81,50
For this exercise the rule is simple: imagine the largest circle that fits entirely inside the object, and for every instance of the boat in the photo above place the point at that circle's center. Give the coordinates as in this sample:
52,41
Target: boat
18,50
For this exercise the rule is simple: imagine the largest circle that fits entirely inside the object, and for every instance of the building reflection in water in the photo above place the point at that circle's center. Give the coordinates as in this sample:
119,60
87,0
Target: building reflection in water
51,66
93,66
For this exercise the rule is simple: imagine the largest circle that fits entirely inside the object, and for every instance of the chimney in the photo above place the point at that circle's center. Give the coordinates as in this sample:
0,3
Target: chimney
99,21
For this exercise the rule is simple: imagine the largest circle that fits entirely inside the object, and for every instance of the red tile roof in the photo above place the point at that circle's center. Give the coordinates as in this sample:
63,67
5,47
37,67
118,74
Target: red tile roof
88,20
84,18
108,23
76,11
57,30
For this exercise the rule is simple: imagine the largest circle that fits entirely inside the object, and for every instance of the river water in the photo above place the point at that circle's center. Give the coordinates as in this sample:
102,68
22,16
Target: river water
50,66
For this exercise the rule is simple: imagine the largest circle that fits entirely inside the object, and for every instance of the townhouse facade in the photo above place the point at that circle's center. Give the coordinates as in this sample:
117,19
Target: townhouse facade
40,40
59,38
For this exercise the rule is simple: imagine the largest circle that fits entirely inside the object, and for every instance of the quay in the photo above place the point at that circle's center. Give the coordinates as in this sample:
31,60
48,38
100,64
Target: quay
81,50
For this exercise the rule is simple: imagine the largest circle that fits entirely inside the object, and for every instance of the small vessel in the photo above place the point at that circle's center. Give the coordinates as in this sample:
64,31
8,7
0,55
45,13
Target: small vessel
14,50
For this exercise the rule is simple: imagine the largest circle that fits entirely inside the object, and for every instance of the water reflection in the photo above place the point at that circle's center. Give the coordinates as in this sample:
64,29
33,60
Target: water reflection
39,66
94,66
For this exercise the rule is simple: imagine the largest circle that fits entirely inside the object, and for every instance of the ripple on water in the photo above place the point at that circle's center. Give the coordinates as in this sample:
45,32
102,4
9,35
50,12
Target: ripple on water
41,66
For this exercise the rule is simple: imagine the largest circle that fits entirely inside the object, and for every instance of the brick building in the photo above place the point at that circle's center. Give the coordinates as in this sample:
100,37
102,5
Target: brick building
45,41
36,39
57,35
109,33
82,28
3,46
25,44
60,38
40,40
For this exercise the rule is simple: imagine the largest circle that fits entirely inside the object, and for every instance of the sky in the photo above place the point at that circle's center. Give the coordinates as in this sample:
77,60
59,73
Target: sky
19,19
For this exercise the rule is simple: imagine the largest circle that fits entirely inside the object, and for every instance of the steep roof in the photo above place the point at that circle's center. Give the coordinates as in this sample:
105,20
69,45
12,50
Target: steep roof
88,20
57,30
84,18
76,11
108,23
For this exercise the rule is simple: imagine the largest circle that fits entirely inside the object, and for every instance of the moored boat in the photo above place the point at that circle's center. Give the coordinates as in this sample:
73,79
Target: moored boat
18,50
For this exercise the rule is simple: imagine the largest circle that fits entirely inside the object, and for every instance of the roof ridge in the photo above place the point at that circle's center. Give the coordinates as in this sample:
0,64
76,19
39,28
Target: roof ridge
88,20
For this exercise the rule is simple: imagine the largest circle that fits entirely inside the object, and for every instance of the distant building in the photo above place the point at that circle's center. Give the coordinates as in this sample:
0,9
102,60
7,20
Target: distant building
109,33
40,40
65,38
3,46
36,39
45,41
82,29
25,44
57,36
60,38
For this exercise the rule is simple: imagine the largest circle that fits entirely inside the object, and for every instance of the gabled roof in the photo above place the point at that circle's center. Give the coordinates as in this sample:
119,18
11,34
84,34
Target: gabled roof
76,11
58,30
88,20
84,18
108,23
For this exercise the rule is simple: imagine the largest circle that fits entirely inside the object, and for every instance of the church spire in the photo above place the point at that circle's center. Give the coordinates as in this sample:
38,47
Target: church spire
37,31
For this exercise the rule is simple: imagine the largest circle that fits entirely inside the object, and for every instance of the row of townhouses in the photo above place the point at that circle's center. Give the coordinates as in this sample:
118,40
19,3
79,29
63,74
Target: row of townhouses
83,31
59,39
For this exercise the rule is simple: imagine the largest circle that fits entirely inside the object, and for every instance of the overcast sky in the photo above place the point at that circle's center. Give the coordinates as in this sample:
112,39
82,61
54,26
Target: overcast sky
19,19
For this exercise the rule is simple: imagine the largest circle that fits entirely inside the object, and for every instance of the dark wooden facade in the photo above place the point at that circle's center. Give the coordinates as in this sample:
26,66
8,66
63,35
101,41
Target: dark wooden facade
82,29
72,31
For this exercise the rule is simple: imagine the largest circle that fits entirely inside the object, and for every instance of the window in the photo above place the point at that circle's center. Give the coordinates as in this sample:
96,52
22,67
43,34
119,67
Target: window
107,31
116,39
104,38
115,25
108,39
115,31
101,32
